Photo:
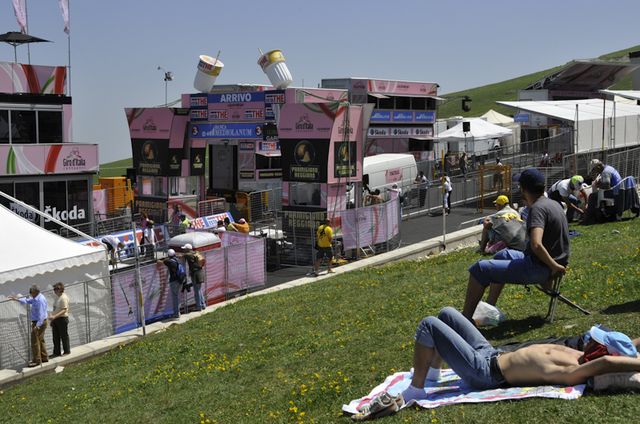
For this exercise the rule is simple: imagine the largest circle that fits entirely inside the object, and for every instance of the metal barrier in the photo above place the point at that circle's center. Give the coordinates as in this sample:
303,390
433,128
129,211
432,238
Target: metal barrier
212,206
264,205
627,162
90,318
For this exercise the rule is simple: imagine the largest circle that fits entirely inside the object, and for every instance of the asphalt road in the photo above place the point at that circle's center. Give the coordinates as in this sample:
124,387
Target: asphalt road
413,229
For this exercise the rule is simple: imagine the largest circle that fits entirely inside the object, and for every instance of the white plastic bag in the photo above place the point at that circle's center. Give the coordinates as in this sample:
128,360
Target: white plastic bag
487,315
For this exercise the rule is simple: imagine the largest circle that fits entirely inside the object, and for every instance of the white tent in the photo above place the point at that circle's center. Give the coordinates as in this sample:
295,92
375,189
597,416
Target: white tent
29,250
480,130
32,255
497,118
621,121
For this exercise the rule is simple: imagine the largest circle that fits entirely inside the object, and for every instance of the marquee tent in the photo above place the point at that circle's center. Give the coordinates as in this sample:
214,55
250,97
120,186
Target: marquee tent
480,130
32,255
29,250
621,121
497,118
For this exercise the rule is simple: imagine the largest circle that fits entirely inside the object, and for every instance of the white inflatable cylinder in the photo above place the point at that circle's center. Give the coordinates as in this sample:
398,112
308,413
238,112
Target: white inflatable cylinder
208,70
272,64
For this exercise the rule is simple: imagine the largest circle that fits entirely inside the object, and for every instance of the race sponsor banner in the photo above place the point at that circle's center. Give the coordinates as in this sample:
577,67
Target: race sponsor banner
150,156
210,221
126,298
398,132
304,159
381,116
370,225
345,156
64,158
33,79
231,130
175,162
196,161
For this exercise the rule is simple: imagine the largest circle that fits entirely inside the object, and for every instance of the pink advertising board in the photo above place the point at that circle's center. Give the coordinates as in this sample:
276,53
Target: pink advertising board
32,79
345,152
312,120
149,123
314,95
402,87
38,159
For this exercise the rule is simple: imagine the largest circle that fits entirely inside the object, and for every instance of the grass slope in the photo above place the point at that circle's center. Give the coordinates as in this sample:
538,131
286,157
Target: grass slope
116,168
484,97
298,355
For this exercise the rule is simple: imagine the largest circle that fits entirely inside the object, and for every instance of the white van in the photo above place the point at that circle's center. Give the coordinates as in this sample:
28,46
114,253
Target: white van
384,170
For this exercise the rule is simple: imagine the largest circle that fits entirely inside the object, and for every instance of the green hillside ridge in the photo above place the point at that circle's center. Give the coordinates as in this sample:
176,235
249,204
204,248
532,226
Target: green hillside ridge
484,98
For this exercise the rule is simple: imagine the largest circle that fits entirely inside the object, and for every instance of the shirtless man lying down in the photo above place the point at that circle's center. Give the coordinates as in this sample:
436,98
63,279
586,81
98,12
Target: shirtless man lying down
453,338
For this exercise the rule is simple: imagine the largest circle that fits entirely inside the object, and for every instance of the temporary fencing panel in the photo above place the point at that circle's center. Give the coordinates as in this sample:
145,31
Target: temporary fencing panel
90,318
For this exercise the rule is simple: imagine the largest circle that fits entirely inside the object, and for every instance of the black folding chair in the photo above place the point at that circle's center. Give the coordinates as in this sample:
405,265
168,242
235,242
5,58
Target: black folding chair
552,289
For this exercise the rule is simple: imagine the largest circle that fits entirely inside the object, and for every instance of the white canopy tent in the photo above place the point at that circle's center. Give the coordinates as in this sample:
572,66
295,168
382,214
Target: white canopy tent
480,130
621,120
627,94
497,118
32,255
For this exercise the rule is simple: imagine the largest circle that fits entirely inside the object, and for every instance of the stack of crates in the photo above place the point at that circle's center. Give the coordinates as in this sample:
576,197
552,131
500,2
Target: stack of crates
119,193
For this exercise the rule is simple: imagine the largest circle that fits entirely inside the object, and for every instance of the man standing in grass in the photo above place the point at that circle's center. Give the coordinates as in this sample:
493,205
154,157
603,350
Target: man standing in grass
546,253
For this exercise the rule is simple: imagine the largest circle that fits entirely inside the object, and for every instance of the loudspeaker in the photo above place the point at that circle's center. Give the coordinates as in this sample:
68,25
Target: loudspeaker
466,126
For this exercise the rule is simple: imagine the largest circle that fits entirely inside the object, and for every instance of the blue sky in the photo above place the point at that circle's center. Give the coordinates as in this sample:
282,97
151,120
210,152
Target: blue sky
117,45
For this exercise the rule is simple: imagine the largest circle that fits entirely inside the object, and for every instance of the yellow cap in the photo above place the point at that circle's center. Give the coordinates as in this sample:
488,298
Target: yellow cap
501,200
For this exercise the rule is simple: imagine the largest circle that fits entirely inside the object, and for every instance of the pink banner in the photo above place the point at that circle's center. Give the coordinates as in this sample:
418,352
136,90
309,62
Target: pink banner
38,159
150,123
33,79
403,87
315,95
370,225
100,202
215,288
306,121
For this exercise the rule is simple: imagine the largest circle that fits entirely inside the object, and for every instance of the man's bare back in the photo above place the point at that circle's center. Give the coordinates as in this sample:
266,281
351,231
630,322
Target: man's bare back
553,364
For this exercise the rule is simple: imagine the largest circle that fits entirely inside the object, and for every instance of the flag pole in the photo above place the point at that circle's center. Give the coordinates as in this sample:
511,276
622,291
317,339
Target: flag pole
69,48
26,16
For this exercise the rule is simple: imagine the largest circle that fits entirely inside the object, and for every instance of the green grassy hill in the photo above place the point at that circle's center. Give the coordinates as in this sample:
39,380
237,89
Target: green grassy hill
485,97
115,169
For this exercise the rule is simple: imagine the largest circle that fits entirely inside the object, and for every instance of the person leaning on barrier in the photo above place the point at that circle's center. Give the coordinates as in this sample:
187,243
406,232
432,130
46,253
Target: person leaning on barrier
196,263
175,283
113,244
546,253
59,319
38,317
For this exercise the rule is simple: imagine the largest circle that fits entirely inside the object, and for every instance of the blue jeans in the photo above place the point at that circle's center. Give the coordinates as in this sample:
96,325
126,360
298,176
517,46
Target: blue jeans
462,346
197,296
510,266
175,287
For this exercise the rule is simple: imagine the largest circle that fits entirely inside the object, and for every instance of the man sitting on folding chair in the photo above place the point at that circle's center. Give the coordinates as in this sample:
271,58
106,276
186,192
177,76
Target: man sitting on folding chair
546,253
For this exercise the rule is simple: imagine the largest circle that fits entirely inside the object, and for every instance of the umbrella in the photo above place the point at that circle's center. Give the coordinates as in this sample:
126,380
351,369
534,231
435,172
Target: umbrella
17,38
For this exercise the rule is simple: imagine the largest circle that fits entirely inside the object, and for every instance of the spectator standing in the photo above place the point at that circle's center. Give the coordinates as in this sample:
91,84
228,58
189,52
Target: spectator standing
448,190
463,165
221,228
373,198
38,317
242,226
423,184
498,182
184,223
149,239
175,283
324,238
196,263
59,319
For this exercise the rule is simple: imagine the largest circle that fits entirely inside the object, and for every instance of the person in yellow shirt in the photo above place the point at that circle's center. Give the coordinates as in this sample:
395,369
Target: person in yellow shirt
324,238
